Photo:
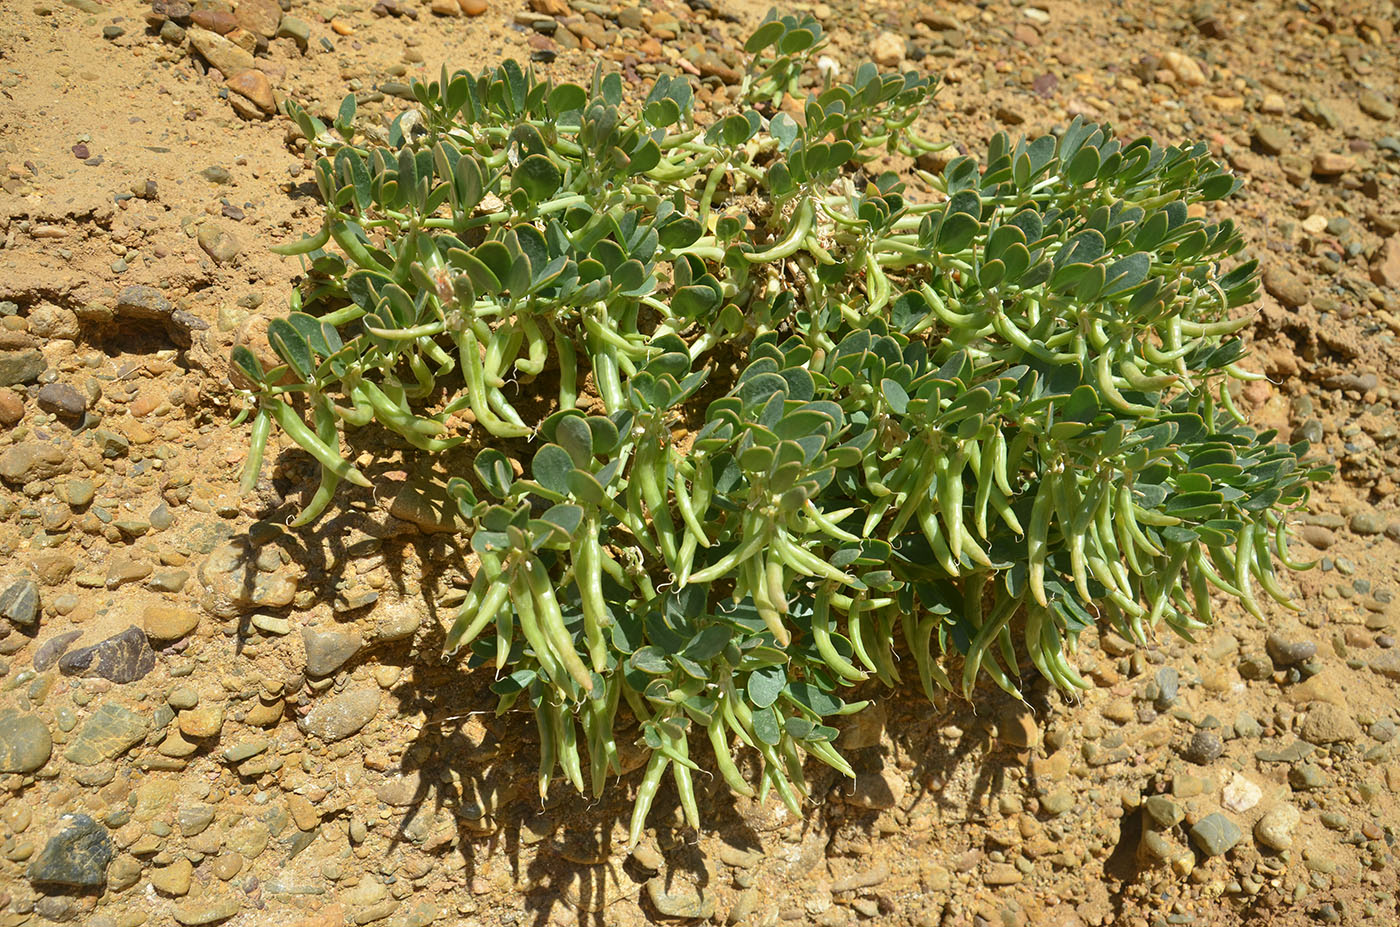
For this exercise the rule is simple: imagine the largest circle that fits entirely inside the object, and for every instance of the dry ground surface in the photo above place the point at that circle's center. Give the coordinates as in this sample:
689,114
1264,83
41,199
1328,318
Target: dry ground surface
266,733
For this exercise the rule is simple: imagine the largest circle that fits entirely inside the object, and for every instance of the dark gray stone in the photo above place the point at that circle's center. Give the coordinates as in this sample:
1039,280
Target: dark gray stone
1162,812
111,444
1306,777
147,304
122,658
143,302
1168,685
62,400
1204,748
76,856
1285,652
1289,754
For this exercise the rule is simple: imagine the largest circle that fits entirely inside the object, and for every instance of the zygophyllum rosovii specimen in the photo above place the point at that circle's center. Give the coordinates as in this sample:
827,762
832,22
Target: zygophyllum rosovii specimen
979,422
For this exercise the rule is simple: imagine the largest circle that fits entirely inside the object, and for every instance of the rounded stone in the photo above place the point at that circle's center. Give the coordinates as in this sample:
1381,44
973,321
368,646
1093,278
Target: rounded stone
1215,834
1328,724
11,407
328,651
62,400
1275,829
1162,812
1367,523
25,743
1205,747
201,723
1285,652
173,879
342,715
182,698
167,623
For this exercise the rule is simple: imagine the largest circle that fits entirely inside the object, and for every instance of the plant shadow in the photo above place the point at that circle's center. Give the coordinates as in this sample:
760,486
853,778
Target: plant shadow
464,784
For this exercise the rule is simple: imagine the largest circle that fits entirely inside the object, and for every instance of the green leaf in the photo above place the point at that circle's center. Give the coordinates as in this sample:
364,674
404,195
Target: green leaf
292,347
345,119
650,660
538,177
765,684
679,233
567,98
709,643
766,727
246,361
575,436
764,36
585,487
957,232
565,517
785,129
494,471
551,468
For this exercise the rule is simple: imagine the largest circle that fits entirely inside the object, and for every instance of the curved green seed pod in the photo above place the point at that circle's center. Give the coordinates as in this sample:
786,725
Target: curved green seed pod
879,632
522,597
328,431
821,637
646,794
824,751
1263,570
854,632
1244,560
724,761
689,517
685,785
307,439
950,496
549,746
262,429
1037,539
801,225
588,576
919,634
1281,549
470,622
568,746
305,245
944,557
552,623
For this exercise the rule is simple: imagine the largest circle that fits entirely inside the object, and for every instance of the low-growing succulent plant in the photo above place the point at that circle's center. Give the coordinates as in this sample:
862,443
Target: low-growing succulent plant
775,415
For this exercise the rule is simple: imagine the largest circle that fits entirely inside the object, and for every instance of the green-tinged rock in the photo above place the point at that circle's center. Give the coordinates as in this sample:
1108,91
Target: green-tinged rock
20,603
1215,834
77,856
245,749
25,744
21,366
298,30
328,650
110,732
